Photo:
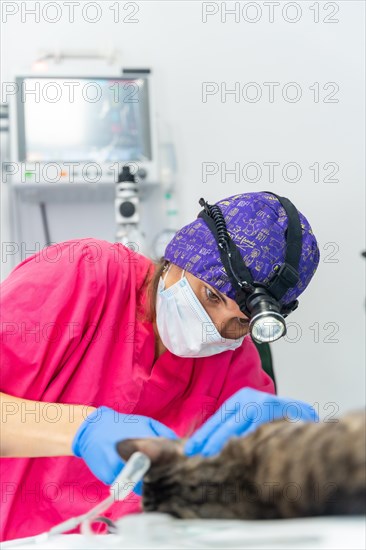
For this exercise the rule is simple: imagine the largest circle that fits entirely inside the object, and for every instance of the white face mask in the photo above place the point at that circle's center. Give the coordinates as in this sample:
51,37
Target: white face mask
184,326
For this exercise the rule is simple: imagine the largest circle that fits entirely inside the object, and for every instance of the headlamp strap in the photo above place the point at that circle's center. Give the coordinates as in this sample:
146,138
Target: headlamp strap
288,276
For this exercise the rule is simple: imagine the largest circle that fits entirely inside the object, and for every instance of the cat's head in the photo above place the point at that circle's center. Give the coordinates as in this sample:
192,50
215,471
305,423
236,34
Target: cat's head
164,480
162,452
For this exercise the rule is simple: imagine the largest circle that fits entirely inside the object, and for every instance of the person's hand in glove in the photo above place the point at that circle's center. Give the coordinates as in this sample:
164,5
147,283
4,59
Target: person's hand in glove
96,439
240,415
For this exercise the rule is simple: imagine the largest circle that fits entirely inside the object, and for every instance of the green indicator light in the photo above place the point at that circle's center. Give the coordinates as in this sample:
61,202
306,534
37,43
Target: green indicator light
28,174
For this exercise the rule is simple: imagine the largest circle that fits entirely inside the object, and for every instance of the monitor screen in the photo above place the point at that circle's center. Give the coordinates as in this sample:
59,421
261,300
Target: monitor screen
83,119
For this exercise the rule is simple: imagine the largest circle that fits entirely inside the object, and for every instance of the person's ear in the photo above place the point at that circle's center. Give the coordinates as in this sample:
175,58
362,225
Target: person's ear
160,450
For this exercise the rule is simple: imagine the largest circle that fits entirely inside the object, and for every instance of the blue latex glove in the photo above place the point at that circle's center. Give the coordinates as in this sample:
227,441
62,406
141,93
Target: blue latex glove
96,439
240,415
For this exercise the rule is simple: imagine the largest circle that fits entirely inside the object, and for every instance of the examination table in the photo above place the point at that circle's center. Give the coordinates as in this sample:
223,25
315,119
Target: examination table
161,531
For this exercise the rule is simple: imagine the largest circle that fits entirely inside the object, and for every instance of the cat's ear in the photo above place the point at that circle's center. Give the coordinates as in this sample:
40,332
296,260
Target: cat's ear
159,449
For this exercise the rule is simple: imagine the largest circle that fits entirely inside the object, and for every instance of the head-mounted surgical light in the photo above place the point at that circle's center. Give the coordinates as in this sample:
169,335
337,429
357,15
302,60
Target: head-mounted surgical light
259,302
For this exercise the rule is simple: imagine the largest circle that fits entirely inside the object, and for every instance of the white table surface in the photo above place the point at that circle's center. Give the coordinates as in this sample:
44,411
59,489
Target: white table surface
162,531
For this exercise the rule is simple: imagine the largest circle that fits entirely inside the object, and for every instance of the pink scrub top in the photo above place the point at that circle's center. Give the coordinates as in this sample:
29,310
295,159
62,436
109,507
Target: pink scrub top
73,331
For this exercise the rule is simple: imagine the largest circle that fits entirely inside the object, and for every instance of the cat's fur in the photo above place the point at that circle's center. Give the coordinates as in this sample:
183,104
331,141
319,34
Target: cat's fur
282,470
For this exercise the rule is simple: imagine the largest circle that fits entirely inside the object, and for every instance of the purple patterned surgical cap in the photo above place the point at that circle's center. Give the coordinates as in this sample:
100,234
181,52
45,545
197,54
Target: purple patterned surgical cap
257,223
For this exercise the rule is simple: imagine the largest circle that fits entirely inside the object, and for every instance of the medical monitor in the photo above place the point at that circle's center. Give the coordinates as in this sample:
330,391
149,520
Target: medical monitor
85,120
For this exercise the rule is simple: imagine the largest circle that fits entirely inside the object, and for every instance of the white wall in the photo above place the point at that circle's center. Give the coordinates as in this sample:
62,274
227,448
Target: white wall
184,52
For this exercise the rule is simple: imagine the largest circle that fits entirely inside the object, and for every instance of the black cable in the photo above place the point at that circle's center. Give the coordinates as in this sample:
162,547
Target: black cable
45,225
228,250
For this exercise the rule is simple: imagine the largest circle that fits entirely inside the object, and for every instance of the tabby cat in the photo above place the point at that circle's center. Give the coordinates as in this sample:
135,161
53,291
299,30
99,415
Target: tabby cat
282,470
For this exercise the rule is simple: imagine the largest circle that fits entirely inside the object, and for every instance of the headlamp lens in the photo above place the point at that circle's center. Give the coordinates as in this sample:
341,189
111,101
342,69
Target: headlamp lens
267,328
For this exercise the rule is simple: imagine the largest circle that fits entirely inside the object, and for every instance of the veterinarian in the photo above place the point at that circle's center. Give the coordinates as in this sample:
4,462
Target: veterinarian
100,344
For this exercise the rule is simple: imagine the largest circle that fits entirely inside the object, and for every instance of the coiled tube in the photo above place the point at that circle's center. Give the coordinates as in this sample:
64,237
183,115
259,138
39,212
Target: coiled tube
215,213
223,236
